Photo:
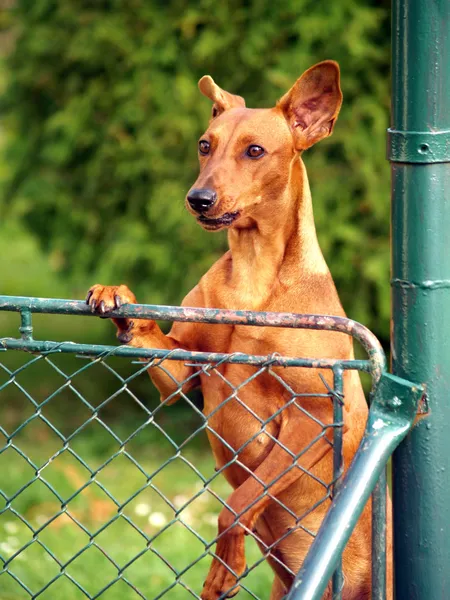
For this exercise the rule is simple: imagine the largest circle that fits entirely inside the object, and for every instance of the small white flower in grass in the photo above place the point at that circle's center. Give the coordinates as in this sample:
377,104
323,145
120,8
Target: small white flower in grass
142,509
180,500
210,519
5,548
11,527
203,499
188,517
157,519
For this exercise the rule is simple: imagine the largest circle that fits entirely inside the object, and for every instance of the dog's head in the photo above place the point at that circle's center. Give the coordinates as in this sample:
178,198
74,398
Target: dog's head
246,154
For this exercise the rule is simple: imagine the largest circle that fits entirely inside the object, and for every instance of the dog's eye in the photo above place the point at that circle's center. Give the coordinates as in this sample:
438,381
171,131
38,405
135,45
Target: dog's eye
255,151
203,147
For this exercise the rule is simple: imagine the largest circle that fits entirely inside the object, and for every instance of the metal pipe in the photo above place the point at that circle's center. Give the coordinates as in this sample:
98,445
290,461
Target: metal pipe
338,464
212,315
391,415
238,358
419,148
379,527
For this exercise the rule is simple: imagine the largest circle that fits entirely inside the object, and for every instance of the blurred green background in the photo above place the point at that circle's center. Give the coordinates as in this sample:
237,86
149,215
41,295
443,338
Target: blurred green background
100,114
100,117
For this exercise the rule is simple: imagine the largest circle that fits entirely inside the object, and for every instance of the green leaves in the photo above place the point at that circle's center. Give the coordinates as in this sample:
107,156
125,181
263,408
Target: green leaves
102,115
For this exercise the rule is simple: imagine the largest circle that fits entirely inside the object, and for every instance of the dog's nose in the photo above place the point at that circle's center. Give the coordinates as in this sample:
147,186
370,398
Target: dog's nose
201,200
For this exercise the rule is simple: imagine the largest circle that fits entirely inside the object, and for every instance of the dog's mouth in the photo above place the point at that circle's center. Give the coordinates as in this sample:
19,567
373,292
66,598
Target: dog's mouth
224,221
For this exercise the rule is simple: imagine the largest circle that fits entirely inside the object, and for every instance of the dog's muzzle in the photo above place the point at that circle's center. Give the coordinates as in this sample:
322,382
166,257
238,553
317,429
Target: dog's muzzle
225,220
201,200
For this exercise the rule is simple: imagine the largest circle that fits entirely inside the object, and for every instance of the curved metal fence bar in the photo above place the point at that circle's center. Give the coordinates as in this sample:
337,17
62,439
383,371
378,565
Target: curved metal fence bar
211,315
94,504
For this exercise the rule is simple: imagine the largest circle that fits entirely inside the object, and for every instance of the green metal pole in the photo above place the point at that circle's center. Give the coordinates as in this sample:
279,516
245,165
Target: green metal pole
419,148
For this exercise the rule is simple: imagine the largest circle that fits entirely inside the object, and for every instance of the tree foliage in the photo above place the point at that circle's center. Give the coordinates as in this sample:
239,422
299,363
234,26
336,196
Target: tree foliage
101,114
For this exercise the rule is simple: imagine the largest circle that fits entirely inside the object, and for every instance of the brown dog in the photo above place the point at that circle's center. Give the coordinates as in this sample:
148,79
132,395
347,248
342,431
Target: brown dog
253,182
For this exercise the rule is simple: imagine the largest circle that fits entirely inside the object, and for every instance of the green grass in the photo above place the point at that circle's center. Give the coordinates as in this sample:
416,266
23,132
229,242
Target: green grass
90,541
149,567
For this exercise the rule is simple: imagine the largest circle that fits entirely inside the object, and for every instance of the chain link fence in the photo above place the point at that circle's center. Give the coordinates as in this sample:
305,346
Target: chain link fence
114,495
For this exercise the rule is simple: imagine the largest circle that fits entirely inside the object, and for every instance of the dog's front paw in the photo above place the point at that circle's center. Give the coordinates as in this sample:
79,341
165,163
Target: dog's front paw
104,298
227,568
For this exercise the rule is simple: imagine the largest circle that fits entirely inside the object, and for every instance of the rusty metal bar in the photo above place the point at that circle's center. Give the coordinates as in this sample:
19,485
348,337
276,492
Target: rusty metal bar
211,315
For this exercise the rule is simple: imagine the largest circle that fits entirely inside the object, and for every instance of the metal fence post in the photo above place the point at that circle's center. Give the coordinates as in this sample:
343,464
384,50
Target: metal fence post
419,148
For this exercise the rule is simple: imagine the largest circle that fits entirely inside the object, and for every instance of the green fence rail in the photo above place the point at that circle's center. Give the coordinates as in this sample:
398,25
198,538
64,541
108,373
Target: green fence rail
137,518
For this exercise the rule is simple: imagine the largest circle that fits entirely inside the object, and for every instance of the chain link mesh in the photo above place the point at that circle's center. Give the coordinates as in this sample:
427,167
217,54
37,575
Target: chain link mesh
116,495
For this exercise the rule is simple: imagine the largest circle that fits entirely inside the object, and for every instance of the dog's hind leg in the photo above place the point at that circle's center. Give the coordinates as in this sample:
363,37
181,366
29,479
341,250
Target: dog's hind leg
278,590
265,539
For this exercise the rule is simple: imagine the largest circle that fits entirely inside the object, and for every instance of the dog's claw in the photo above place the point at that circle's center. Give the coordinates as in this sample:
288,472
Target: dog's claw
117,302
126,336
89,295
93,305
101,307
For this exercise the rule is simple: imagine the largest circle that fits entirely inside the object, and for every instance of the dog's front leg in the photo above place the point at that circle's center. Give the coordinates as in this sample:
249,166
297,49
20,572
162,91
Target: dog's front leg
300,445
145,333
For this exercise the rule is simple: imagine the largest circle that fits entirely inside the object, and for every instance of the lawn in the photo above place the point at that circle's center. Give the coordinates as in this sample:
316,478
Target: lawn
83,515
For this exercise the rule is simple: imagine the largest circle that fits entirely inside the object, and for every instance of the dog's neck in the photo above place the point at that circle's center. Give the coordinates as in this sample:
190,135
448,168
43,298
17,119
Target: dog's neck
280,249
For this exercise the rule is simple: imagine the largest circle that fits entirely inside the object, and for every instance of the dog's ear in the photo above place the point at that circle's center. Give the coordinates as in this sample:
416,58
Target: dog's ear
312,105
222,100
